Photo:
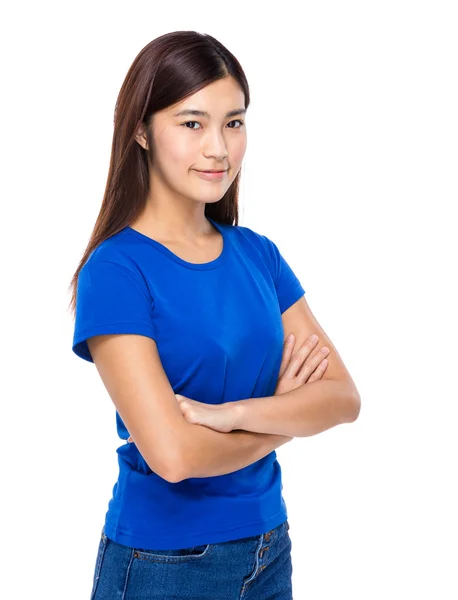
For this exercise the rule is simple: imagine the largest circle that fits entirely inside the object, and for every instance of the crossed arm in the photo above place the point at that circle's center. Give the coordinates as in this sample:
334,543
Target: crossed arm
307,410
269,422
310,408
266,424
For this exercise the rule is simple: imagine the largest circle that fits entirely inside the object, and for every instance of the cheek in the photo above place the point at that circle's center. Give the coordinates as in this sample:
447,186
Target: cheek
178,151
237,151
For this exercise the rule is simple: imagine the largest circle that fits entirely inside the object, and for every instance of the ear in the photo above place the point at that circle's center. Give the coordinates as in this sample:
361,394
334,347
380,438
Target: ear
140,137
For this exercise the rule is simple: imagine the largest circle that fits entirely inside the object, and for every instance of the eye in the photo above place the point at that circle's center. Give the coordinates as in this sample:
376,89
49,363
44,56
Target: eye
236,121
187,123
191,122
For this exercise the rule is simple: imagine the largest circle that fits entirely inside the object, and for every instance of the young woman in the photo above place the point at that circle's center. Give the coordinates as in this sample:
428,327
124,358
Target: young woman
185,315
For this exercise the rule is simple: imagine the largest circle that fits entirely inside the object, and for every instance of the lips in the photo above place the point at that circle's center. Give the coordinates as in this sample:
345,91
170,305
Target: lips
211,175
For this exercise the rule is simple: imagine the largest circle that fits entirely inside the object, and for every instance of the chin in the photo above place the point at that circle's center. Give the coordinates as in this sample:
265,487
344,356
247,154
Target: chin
214,200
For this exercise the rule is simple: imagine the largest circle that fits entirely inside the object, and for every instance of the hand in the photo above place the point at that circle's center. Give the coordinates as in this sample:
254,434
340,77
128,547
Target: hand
298,369
219,417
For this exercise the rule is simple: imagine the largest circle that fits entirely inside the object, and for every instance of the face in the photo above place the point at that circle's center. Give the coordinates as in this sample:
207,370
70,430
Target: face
184,144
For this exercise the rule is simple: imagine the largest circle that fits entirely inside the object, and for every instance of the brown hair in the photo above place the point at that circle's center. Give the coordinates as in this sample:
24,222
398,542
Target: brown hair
167,70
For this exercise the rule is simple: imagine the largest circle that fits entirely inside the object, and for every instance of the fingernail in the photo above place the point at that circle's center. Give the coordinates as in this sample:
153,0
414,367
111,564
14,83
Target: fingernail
314,338
290,338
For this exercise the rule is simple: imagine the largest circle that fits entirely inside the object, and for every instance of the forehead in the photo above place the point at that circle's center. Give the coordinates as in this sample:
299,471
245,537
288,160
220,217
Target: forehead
215,100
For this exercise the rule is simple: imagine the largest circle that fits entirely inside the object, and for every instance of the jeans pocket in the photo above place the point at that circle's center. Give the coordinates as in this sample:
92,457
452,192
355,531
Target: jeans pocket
179,555
98,563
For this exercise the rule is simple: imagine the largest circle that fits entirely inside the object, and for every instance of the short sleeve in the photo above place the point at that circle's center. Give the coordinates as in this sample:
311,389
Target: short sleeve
289,288
110,298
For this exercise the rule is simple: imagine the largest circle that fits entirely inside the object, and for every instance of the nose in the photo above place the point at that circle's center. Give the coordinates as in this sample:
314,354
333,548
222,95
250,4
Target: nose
216,147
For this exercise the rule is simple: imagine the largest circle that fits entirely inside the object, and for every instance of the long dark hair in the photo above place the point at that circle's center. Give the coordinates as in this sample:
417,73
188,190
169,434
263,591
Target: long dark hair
167,70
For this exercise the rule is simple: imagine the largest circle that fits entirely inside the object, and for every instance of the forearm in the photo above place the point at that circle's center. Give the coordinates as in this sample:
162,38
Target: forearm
305,411
207,453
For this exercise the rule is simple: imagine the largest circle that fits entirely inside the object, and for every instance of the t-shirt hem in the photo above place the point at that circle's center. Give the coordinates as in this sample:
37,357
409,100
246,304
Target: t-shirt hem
123,326
79,345
293,296
243,530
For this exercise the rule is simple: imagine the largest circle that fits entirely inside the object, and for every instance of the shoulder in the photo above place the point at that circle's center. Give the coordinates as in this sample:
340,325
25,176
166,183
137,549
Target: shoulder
259,241
113,255
264,247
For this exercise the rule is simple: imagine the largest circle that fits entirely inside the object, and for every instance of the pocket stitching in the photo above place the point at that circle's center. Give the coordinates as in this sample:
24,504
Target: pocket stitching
151,557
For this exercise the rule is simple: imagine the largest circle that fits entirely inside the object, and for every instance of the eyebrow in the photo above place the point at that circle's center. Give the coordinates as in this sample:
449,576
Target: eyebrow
202,113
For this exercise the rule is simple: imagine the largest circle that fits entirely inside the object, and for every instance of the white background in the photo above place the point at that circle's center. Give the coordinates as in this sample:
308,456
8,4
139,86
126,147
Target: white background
351,168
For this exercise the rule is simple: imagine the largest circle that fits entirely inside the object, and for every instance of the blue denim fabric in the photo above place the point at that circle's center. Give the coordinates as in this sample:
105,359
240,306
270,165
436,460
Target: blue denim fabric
252,568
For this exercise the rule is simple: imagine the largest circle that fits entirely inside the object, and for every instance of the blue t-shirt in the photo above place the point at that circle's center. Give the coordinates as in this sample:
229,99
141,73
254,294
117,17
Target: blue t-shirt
219,334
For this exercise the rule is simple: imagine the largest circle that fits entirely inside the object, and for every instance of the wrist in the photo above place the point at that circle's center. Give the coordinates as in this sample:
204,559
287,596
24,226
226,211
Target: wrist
237,410
242,418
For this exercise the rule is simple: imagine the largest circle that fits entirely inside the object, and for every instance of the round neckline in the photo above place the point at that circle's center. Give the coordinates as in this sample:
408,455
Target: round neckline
213,264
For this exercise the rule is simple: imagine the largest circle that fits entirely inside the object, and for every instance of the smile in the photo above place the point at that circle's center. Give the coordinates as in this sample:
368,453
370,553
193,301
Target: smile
211,175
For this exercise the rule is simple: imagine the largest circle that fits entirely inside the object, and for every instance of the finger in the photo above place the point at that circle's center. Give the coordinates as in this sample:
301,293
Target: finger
288,348
310,365
300,356
319,371
191,416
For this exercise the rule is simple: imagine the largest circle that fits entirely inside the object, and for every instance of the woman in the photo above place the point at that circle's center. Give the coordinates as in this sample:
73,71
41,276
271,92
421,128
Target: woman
181,311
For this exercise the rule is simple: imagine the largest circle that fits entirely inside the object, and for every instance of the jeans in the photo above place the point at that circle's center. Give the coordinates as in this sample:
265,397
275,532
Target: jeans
252,568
